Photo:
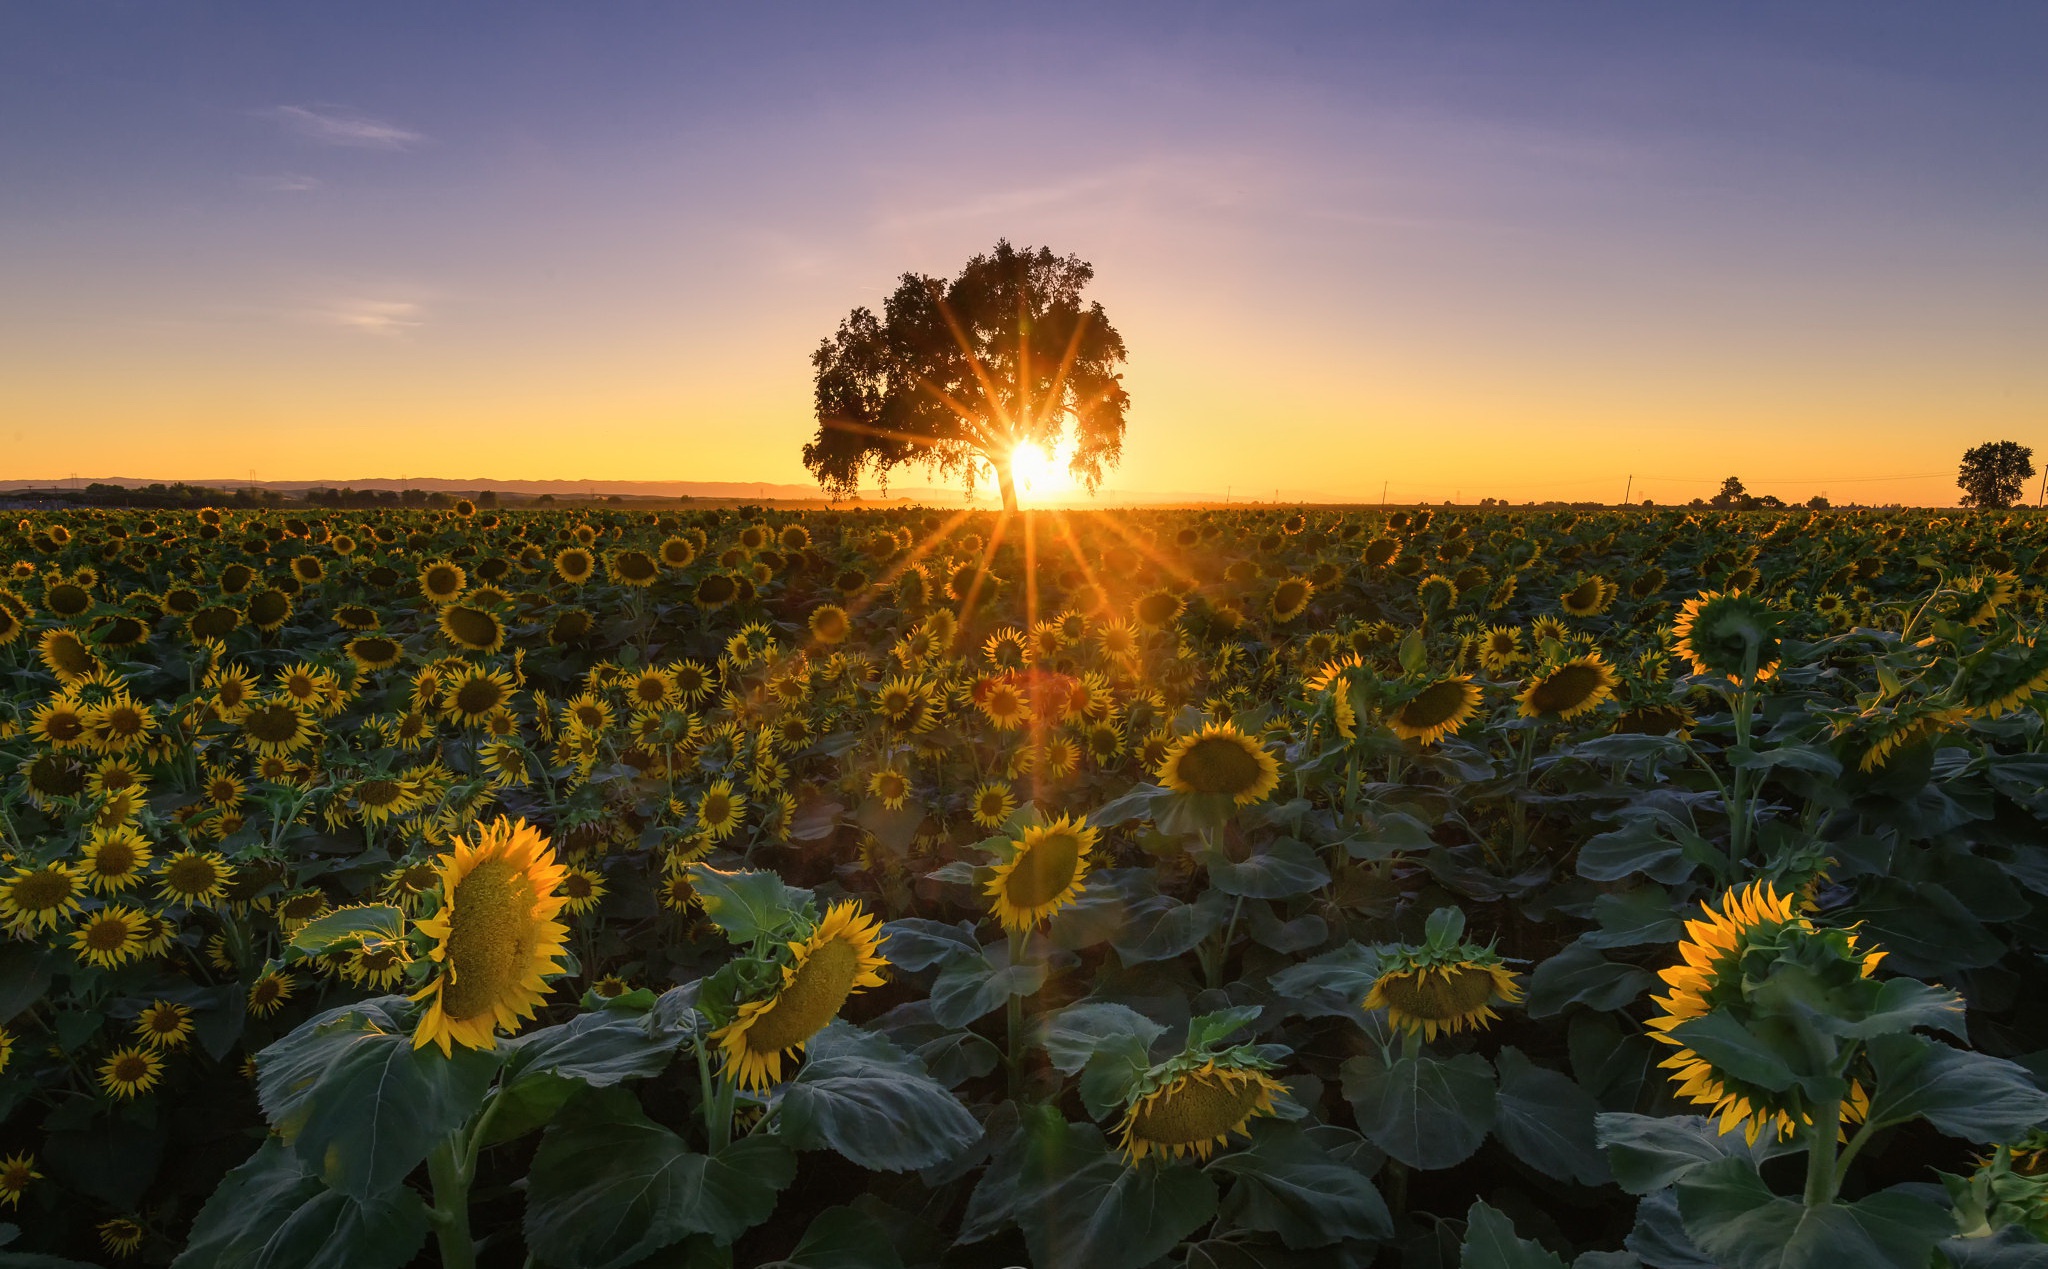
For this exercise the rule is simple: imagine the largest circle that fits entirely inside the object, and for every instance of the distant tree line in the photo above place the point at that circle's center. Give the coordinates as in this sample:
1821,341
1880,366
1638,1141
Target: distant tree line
158,495
346,497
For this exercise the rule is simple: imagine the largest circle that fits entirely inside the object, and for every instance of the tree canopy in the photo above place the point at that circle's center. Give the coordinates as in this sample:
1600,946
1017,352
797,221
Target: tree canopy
1994,474
956,376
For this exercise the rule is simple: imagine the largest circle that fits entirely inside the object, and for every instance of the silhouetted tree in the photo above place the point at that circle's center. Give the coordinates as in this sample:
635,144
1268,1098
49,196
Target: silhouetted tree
954,375
1994,473
1732,493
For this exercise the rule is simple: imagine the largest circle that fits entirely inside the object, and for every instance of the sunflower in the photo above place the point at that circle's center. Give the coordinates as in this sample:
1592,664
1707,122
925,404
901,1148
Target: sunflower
496,937
380,799
575,565
720,811
632,568
66,655
1500,649
17,1171
60,723
652,689
475,628
276,727
891,786
1756,919
475,694
1589,596
1429,990
582,890
51,778
40,896
1160,609
1220,759
164,1024
992,803
829,624
907,705
1437,710
1720,632
119,725
129,1071
195,878
110,937
1566,691
374,652
1290,598
1884,732
1190,1110
114,859
1045,872
6,1048
841,956
1002,703
677,552
442,581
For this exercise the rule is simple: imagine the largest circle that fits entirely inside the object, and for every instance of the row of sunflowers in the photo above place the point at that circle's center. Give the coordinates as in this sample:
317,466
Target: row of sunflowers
590,888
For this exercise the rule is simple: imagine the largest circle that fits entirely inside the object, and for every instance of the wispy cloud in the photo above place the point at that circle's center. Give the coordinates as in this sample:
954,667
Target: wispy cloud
375,317
333,125
283,183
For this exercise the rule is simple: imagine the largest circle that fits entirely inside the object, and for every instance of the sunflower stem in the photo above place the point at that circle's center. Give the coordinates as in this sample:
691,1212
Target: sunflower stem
450,1213
708,1092
1820,1155
1015,1020
721,1124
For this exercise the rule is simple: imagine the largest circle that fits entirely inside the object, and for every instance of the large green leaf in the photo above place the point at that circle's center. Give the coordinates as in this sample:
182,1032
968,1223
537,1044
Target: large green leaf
1963,1093
746,905
860,1095
1579,975
359,1103
970,986
841,1238
1333,985
271,1213
1649,1152
1160,927
609,1186
1426,1111
1280,870
1547,1120
598,1049
324,934
1074,1034
1491,1243
1732,1216
1721,1039
1085,1207
1288,1184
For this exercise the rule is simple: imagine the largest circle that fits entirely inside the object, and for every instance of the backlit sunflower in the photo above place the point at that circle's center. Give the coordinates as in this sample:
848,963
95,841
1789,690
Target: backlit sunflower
1437,710
130,1071
1185,1108
1879,735
829,624
1290,598
1566,691
1045,872
164,1024
1756,919
40,896
1220,759
1720,632
992,803
1158,609
1589,597
720,811
841,956
496,937
110,937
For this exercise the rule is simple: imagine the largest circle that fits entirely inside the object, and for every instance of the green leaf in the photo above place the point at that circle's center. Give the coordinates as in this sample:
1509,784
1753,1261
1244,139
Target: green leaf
1289,1185
598,1049
1719,1038
1426,1111
1636,847
860,1095
746,905
1491,1243
270,1213
1281,870
1547,1120
1160,927
609,1186
24,976
1074,1034
916,944
1734,1218
1578,975
1903,1004
1963,1093
322,935
359,1103
1650,1152
1334,984
974,986
1083,1207
842,1238
1213,1028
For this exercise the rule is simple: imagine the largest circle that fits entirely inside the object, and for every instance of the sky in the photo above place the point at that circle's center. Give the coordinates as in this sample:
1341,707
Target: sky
1435,249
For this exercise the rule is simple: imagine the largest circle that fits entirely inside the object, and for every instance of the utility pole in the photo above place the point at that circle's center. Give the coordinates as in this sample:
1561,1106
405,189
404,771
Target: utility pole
1628,489
2044,486
1383,493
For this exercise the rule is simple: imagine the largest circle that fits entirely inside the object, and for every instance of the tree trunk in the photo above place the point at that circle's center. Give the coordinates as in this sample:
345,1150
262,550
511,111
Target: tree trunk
1008,485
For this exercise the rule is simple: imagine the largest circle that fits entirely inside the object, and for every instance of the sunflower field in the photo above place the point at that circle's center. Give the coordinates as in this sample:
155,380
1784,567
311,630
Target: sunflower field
584,888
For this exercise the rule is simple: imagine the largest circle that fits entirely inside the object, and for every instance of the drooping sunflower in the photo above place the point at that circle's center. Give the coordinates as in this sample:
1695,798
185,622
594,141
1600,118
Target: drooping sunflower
130,1071
40,896
1437,710
121,1235
1880,734
164,1024
1220,759
1719,632
1563,692
1046,871
1185,1109
1712,976
496,937
841,956
195,878
1449,990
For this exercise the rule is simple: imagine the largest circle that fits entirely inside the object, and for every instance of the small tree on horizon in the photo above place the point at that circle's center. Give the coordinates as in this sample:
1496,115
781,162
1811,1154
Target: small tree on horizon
1994,474
957,376
1732,493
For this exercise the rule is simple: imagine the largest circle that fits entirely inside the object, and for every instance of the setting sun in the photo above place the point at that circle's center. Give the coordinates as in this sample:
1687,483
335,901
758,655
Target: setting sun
1042,475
